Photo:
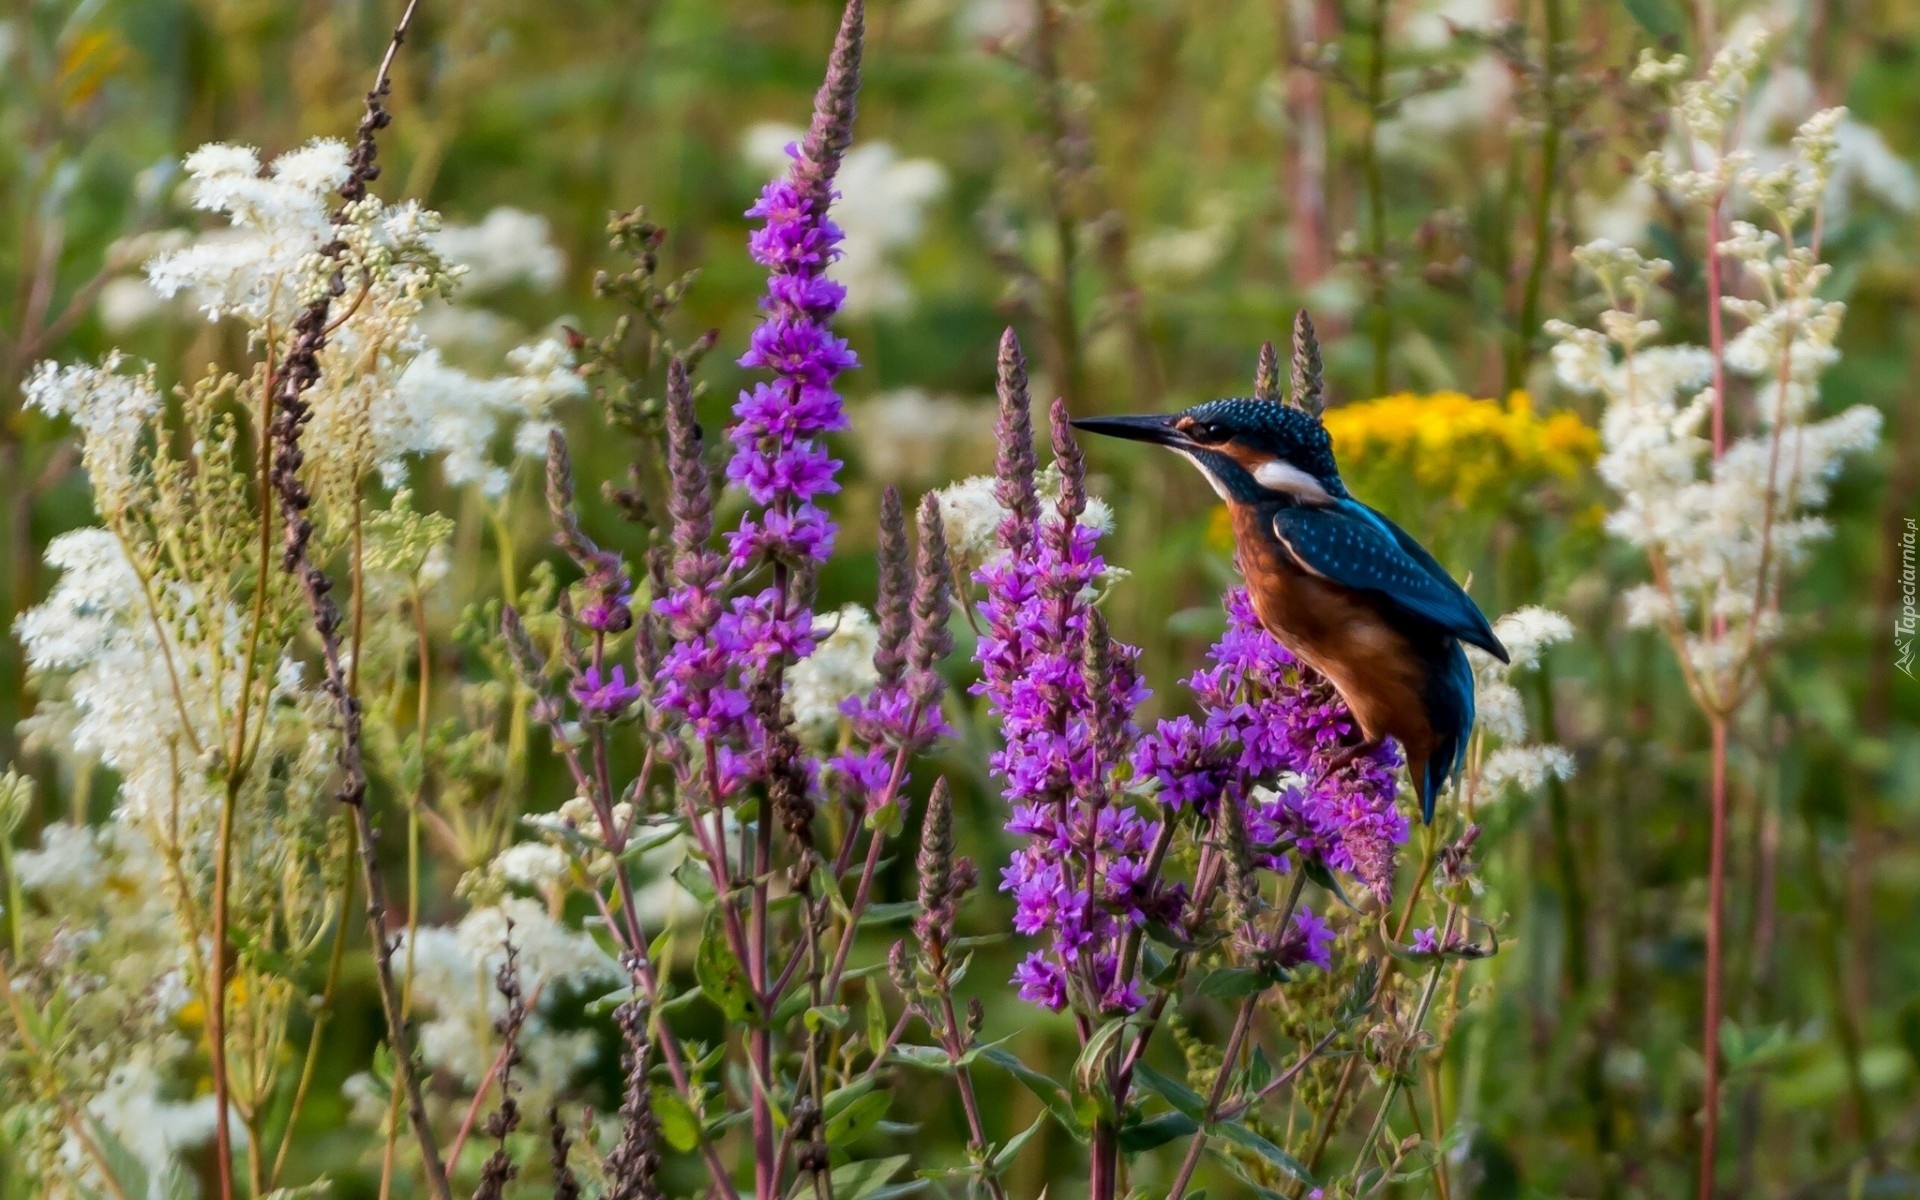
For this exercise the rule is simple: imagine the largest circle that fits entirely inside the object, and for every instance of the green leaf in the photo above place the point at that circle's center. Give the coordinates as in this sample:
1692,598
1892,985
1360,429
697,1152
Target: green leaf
1157,967
1172,1091
1657,17
1140,1136
829,1016
1239,1167
877,1028
868,1180
1233,983
1050,1091
838,1099
858,1120
1240,1135
1317,872
721,976
888,914
1259,1070
1003,1158
930,1058
693,877
677,1122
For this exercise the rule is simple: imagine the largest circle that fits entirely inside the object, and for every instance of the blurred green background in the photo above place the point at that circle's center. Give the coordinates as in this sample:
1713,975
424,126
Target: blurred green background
1146,189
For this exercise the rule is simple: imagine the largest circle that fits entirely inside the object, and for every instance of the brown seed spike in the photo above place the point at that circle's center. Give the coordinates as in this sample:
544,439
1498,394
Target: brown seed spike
1266,379
1309,387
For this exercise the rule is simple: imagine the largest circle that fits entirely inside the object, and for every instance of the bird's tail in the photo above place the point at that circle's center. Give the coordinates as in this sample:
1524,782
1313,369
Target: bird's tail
1450,746
1430,777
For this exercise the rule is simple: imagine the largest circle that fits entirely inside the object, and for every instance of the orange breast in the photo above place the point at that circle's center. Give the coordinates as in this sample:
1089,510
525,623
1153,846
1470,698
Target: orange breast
1343,634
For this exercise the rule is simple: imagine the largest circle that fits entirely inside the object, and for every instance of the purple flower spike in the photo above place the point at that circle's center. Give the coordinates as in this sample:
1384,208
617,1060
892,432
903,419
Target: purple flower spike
1265,716
1065,697
777,455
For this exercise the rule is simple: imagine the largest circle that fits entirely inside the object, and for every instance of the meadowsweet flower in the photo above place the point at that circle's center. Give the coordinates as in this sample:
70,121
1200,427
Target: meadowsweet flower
112,406
507,247
454,970
839,669
258,269
1516,761
530,865
1721,524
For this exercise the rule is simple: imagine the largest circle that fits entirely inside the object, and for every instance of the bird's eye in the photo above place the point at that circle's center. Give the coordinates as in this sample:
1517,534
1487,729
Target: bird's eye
1206,433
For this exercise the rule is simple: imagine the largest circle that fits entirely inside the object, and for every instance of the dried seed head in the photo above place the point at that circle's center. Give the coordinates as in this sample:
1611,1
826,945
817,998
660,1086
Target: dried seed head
1309,386
893,603
1266,378
1015,463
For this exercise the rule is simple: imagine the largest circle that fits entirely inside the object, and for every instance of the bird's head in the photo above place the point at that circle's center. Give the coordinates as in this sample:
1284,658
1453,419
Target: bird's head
1252,451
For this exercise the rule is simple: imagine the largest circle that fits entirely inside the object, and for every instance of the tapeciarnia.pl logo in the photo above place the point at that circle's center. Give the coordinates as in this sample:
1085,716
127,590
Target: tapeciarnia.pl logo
1908,618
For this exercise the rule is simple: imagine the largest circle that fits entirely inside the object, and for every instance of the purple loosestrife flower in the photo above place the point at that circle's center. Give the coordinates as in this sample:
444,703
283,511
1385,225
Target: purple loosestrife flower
717,646
1264,717
777,454
604,696
1309,939
1425,941
1064,697
695,685
902,712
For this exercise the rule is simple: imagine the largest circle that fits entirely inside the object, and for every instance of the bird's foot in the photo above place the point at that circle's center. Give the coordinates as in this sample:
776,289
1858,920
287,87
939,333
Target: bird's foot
1346,754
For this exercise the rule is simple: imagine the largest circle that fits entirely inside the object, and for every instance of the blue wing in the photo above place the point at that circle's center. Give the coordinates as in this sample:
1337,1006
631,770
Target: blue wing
1356,547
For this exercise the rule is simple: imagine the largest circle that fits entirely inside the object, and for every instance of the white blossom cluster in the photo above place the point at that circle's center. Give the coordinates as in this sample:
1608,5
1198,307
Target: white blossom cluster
1722,530
971,515
167,648
143,685
453,972
840,668
1500,712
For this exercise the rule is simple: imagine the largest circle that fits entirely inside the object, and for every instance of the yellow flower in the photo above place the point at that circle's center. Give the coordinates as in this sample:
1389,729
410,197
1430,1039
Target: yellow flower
1448,444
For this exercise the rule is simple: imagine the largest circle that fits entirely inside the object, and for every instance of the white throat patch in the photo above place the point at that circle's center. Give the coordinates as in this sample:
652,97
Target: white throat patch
1278,475
1193,458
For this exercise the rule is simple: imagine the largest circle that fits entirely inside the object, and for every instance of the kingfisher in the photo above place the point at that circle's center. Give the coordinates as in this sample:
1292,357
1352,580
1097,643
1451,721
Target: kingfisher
1344,589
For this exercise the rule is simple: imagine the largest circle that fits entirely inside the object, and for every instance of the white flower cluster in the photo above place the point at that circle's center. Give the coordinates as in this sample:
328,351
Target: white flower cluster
1721,530
453,972
384,395
112,407
279,218
971,515
881,207
437,408
143,693
506,248
118,961
840,668
1502,714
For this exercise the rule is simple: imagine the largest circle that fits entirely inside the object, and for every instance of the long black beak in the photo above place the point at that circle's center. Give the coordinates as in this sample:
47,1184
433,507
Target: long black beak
1153,427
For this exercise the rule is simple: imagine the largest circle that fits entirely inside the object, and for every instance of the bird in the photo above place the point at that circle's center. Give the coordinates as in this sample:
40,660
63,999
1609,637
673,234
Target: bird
1339,585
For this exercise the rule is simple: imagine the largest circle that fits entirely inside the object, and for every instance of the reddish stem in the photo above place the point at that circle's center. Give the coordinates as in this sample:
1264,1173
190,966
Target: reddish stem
1716,903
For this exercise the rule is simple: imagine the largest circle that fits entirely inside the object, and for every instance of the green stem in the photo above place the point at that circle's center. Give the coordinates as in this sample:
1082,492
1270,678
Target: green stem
1377,197
1518,351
